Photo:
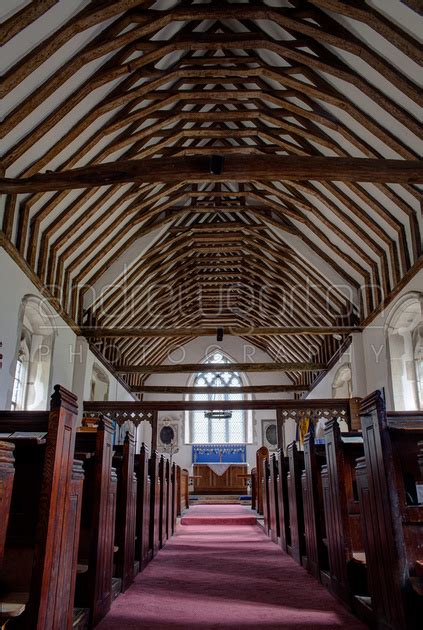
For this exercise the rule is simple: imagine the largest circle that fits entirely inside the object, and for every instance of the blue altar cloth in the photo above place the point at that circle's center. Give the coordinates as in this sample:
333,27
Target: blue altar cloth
219,453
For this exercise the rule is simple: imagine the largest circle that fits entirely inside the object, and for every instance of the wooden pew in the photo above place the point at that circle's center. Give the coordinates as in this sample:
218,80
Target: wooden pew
176,476
7,473
254,489
264,493
184,490
283,500
314,516
392,520
94,447
155,491
273,503
261,455
163,501
126,506
347,563
142,541
297,547
169,500
40,557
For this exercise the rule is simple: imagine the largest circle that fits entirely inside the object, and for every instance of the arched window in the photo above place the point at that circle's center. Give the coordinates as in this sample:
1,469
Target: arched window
36,334
342,383
405,348
99,384
217,427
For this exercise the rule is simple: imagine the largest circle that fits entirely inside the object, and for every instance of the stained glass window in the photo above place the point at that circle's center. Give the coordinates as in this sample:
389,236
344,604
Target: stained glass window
220,426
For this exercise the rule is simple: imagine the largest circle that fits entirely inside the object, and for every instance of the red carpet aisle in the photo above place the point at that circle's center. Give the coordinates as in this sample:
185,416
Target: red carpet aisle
225,576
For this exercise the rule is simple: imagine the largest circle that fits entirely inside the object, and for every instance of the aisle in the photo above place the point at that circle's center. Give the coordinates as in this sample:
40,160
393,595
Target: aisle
225,576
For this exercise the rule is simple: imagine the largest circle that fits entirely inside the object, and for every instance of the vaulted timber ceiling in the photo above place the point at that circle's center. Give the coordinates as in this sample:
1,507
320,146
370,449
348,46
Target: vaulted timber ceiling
89,83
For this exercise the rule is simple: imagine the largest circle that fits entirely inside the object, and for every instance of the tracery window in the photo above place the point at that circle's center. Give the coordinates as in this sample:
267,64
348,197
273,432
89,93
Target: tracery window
219,426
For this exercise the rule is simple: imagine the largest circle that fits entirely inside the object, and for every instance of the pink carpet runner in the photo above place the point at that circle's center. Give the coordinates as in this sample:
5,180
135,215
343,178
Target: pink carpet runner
225,577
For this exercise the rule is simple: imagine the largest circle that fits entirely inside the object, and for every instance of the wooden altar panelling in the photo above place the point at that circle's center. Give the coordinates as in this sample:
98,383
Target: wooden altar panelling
143,508
232,481
296,515
314,521
283,500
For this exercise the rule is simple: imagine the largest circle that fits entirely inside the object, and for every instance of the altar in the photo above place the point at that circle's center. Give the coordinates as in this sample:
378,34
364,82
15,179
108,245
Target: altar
220,469
208,480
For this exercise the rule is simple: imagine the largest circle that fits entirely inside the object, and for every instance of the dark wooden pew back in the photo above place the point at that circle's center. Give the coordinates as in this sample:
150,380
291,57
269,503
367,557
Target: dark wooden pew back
154,503
314,518
342,513
43,531
261,455
94,446
142,545
296,514
274,522
7,473
392,519
283,500
123,462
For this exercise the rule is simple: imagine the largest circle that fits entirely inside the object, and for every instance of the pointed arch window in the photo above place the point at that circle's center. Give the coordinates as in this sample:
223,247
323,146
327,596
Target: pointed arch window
222,426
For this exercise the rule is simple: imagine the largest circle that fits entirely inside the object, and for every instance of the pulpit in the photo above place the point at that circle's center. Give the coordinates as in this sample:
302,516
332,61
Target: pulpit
220,469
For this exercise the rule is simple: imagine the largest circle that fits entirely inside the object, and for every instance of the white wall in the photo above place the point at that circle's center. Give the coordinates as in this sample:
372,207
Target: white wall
72,361
368,355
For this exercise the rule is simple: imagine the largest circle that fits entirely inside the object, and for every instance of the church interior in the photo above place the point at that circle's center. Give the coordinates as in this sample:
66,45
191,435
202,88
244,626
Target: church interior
211,315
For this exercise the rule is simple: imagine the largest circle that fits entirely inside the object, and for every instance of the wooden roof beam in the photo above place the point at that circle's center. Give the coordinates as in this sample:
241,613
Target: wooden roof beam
236,169
183,368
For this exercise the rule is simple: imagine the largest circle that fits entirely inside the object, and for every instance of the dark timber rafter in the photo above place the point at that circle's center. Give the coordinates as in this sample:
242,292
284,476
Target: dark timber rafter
313,222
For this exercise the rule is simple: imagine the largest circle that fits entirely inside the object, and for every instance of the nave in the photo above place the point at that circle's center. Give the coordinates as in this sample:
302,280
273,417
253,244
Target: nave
227,576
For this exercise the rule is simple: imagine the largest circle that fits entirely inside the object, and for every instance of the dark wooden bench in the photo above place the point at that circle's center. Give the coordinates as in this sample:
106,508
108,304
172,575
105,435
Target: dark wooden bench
314,516
176,477
163,504
155,492
347,561
126,508
273,503
261,455
184,490
392,517
264,493
7,473
142,540
283,501
39,566
296,548
94,447
254,489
